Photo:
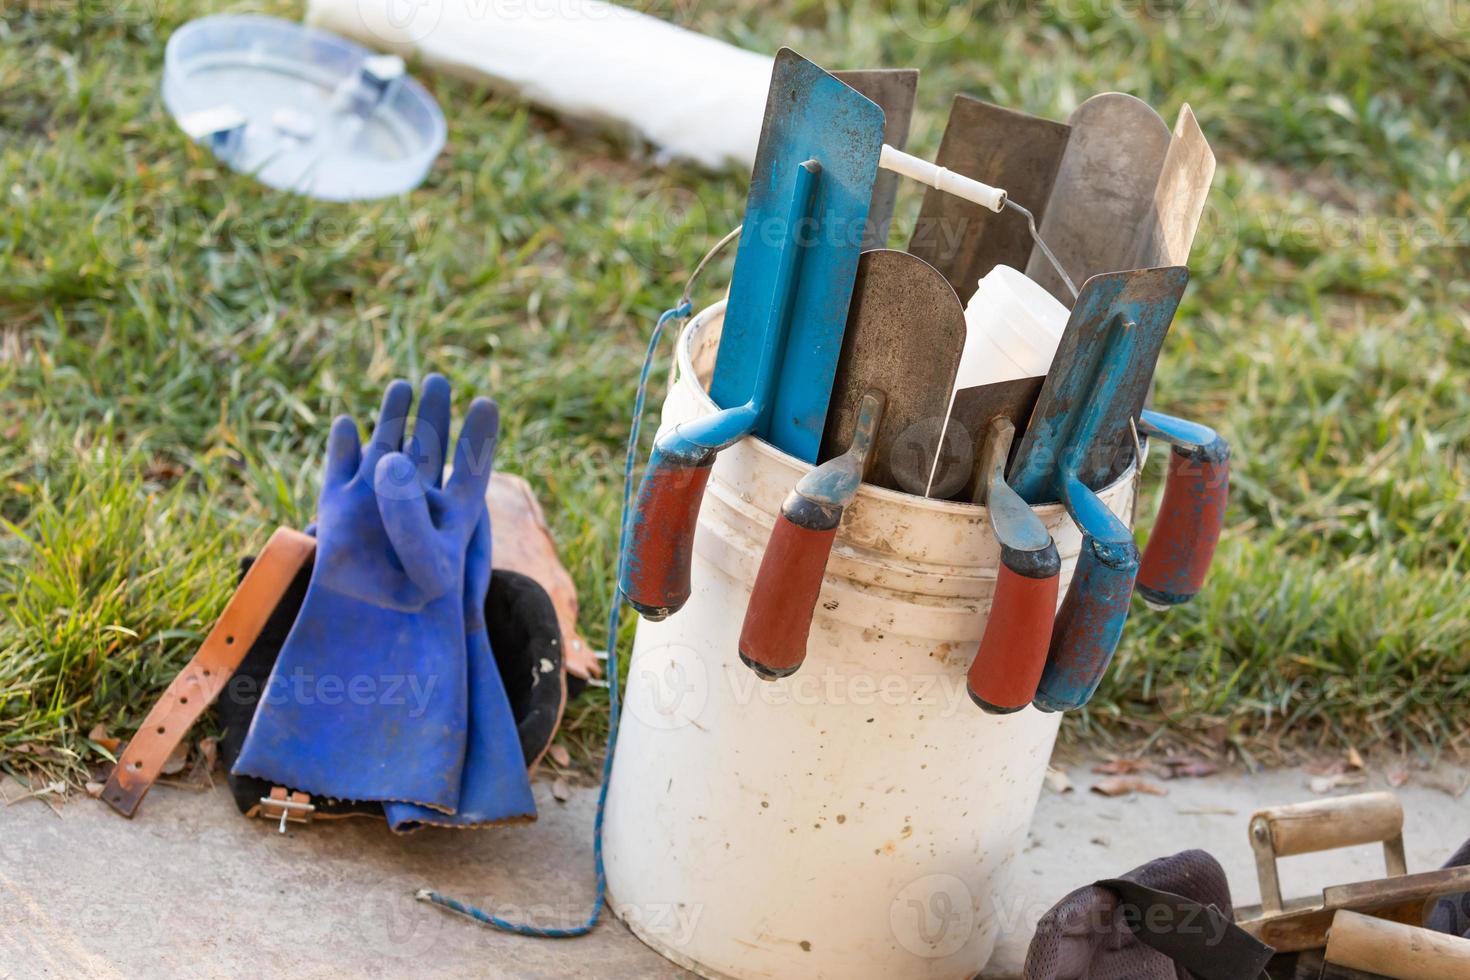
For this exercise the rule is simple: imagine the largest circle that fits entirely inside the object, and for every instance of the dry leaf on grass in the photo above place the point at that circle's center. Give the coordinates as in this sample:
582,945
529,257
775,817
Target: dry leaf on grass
174,764
99,735
1326,784
1451,783
204,763
1122,767
163,471
1124,785
1354,759
560,755
1188,767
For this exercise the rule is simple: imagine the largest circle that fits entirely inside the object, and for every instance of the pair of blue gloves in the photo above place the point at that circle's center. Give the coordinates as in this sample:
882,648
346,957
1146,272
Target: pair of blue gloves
386,688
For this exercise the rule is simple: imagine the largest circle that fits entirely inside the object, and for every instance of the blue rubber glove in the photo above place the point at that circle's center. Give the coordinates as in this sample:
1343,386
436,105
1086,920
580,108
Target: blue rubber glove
495,786
369,697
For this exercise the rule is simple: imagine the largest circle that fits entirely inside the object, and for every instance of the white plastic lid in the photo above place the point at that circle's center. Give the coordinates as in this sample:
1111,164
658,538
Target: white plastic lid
301,109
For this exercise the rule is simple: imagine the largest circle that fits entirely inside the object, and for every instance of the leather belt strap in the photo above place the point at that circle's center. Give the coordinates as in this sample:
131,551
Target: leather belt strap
200,682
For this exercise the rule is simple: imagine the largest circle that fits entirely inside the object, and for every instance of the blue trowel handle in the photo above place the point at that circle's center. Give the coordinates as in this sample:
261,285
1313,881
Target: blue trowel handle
1089,624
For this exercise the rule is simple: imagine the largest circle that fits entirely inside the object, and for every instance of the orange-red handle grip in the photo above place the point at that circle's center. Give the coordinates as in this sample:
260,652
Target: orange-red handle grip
1188,527
778,620
1012,654
655,576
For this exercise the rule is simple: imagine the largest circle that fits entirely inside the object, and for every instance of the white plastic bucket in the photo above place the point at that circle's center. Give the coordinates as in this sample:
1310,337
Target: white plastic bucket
861,817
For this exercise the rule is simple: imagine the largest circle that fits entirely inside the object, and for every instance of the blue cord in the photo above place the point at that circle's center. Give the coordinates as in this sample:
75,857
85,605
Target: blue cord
613,618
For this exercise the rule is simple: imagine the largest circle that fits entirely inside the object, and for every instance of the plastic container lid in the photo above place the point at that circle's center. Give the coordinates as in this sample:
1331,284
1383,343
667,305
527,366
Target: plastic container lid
301,109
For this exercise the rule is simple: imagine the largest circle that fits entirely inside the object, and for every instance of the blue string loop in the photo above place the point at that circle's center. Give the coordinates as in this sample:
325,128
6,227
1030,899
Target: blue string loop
599,902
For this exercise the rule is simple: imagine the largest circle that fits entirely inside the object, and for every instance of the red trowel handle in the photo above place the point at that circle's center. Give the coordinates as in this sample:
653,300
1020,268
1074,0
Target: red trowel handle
778,620
655,576
1188,527
1012,653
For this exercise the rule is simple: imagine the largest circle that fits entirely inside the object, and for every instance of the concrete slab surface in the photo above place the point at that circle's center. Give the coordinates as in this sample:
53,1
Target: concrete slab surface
191,889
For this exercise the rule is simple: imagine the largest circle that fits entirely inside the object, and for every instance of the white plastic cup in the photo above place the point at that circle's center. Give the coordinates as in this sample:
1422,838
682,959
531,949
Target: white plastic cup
1014,327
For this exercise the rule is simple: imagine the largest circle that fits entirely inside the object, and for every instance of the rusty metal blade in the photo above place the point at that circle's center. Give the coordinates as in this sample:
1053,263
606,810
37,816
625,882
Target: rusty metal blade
969,420
895,90
1004,148
905,332
1179,200
1104,190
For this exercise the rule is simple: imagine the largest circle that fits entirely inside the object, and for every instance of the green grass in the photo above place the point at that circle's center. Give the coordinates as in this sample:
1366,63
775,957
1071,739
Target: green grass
173,339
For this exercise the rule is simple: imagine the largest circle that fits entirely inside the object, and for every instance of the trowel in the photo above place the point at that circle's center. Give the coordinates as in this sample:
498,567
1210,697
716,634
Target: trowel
1012,652
1179,196
905,332
1084,420
804,218
1182,542
956,477
1014,150
1104,190
1111,189
894,90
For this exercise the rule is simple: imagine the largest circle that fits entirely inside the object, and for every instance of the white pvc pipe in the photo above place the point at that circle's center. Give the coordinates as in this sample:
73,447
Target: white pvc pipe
941,178
693,97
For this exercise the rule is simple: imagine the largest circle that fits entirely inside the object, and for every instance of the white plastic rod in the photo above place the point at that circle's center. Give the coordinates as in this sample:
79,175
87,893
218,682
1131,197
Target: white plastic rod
941,178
